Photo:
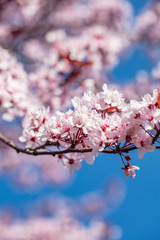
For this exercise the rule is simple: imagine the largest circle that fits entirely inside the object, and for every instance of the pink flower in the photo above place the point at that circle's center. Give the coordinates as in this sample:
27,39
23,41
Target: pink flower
71,161
130,171
144,143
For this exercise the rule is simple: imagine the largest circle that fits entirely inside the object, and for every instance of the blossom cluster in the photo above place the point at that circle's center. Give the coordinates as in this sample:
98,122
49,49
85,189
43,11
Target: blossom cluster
113,14
20,18
60,228
47,52
17,18
63,222
102,121
15,97
55,72
148,24
80,68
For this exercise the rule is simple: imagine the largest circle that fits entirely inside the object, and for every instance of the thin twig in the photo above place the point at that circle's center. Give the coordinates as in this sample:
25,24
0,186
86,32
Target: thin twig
156,137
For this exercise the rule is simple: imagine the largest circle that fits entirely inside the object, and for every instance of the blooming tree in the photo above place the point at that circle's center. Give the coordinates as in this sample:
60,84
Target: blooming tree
65,56
56,88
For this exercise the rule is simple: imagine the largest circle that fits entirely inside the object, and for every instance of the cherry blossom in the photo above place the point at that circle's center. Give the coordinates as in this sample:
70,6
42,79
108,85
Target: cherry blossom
130,171
99,122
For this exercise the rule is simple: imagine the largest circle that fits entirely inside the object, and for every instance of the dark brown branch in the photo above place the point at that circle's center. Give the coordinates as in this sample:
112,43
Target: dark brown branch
34,152
114,151
156,137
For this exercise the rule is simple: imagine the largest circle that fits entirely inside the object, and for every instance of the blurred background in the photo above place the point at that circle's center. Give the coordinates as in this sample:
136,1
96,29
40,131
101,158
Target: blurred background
99,193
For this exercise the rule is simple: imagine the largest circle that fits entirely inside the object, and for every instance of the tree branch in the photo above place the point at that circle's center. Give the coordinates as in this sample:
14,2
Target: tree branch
156,136
34,152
